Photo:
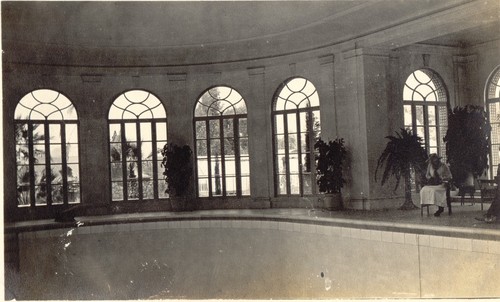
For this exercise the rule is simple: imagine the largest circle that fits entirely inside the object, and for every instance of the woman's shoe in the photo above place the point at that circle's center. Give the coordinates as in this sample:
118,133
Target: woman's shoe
439,211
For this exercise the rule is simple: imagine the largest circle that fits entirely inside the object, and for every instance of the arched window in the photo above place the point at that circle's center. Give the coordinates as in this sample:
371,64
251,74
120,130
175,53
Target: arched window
48,171
493,108
137,133
425,108
223,167
296,127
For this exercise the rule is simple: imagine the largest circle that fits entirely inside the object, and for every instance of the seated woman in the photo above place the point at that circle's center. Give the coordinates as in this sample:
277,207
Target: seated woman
435,191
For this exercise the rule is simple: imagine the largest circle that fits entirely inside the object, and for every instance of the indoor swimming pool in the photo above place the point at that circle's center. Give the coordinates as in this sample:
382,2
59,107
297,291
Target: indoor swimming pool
196,257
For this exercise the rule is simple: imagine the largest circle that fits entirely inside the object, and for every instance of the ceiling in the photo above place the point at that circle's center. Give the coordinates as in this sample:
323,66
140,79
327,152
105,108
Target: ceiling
105,32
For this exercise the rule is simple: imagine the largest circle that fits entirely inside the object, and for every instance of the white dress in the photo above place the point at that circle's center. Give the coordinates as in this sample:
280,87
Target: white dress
435,195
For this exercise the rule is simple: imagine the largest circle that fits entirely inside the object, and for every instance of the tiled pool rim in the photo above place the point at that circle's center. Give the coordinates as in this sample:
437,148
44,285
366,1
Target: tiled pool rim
458,238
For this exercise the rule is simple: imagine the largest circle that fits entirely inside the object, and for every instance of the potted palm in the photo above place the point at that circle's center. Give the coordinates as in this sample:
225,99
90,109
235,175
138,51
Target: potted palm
403,155
467,144
178,170
329,159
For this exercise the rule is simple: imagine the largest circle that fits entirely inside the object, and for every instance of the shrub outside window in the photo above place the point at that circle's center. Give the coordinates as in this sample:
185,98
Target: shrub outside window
47,150
137,134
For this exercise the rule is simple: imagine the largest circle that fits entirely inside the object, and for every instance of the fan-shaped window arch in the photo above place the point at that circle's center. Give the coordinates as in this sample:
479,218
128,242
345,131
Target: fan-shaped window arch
222,157
296,127
492,99
425,106
47,157
137,133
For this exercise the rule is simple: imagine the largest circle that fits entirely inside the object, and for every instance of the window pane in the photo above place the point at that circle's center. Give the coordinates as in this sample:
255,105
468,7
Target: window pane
215,149
72,133
131,132
216,185
282,184
201,129
292,122
39,174
433,136
147,189
73,173
228,127
407,116
281,164
22,154
231,186
243,127
294,184
147,151
245,166
245,186
202,166
214,128
203,187
278,124
147,170
55,153
230,166
146,134
244,146
41,195
56,174
306,181
305,145
115,152
306,162
292,143
39,154
38,134
117,190
421,133
72,153
201,148
133,189
57,194
131,151
55,133
229,146
316,123
73,192
162,187
161,131
280,144
132,170
431,114
293,163
419,113
21,133
114,133
116,171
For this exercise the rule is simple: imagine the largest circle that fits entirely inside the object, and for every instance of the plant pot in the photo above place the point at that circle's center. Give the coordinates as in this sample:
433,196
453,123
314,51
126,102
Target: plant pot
333,201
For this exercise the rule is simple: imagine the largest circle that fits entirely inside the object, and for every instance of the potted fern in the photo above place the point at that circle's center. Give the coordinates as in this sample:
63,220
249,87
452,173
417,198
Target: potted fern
178,170
467,144
403,155
329,159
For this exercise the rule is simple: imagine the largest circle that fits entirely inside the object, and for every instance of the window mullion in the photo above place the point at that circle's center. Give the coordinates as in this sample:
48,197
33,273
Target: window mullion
222,156
124,161
287,156
237,155
156,181
299,152
209,158
426,128
139,160
64,163
31,165
48,169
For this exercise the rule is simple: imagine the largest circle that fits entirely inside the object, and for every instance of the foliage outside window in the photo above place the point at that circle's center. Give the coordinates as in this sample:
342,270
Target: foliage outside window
425,107
137,134
296,128
47,161
493,110
221,146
